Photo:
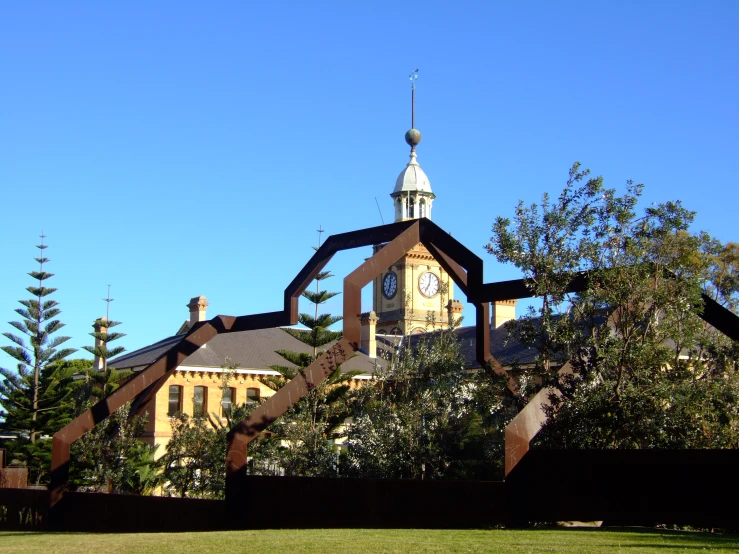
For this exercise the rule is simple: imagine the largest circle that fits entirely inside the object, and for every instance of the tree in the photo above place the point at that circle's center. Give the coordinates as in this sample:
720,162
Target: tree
111,458
647,371
309,428
35,397
195,461
103,380
425,417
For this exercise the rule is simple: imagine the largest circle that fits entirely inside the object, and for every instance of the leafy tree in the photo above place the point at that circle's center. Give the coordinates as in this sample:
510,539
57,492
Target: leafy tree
111,458
647,371
195,461
35,397
425,417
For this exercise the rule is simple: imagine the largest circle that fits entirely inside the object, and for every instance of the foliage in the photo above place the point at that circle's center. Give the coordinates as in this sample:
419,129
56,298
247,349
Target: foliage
111,458
103,380
308,429
36,396
195,461
425,417
317,324
647,371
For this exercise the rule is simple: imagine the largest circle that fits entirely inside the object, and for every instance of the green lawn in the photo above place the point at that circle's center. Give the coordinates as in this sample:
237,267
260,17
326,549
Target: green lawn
365,541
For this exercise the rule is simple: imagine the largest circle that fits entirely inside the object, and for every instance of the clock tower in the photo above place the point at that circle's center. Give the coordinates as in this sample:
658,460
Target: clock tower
415,294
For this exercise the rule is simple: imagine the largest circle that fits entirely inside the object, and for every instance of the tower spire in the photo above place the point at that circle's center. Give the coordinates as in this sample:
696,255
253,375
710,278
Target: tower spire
413,136
413,76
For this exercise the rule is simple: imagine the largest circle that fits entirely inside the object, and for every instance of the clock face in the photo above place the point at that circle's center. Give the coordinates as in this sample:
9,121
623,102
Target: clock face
390,285
428,283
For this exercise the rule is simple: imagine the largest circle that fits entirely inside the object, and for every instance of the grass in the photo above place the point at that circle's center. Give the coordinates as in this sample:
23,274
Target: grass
366,541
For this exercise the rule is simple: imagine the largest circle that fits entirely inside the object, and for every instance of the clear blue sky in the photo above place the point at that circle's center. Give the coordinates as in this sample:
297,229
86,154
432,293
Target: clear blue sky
173,149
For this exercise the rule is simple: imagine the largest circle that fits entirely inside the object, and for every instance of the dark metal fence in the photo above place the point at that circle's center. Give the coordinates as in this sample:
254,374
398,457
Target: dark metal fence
626,487
23,509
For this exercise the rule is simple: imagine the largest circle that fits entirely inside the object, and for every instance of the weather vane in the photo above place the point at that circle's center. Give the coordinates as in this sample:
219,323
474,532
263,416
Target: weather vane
413,76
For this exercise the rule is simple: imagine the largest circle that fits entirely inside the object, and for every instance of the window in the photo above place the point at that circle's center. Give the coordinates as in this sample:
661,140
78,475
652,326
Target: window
175,400
411,208
200,401
227,401
422,208
252,395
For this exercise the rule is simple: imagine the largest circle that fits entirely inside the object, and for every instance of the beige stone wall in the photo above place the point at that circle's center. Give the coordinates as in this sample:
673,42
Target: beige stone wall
409,298
159,430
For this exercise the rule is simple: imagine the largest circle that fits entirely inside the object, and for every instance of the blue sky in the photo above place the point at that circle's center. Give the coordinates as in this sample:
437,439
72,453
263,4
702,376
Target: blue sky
173,149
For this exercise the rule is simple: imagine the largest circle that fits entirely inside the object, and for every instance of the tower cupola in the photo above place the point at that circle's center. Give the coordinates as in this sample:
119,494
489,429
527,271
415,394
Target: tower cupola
412,195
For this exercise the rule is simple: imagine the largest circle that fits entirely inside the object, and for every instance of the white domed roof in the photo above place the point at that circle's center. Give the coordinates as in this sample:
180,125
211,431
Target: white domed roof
412,178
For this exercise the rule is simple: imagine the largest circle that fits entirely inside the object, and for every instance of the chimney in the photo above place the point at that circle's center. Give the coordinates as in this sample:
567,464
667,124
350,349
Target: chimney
454,310
197,307
100,327
369,324
502,311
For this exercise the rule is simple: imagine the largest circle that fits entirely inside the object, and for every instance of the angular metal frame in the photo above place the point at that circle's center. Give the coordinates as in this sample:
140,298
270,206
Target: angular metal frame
461,264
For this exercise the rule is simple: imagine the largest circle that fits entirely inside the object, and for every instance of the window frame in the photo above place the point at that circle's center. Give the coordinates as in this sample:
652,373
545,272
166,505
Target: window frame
178,388
203,405
253,399
231,401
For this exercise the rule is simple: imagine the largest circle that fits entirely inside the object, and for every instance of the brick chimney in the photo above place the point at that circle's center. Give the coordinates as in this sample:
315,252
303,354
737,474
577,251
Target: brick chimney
502,311
197,307
369,325
100,326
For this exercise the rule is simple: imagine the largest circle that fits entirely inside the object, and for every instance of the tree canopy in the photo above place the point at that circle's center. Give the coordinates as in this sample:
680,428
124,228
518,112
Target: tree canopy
646,370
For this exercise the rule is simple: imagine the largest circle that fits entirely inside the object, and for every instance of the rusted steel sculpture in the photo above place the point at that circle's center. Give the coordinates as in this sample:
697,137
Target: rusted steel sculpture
461,264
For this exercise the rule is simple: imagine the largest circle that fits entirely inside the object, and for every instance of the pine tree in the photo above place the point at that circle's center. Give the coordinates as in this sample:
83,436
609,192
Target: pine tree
34,397
309,425
102,379
318,324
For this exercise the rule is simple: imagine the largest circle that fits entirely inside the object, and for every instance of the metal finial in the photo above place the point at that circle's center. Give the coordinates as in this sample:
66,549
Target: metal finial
413,76
107,308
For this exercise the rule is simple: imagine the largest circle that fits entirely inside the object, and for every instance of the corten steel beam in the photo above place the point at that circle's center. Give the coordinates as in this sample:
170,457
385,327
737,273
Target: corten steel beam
482,316
63,439
526,425
250,428
463,266
266,413
407,236
528,422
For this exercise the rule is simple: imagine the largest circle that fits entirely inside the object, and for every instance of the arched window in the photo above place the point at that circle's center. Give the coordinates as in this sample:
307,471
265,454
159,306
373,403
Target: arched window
411,208
422,208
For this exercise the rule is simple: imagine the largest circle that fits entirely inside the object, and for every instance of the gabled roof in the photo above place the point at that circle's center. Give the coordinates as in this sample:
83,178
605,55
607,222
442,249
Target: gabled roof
145,356
249,349
504,346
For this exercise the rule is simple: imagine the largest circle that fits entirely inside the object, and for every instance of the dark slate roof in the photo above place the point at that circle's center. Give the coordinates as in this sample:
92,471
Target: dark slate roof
250,349
145,356
503,346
